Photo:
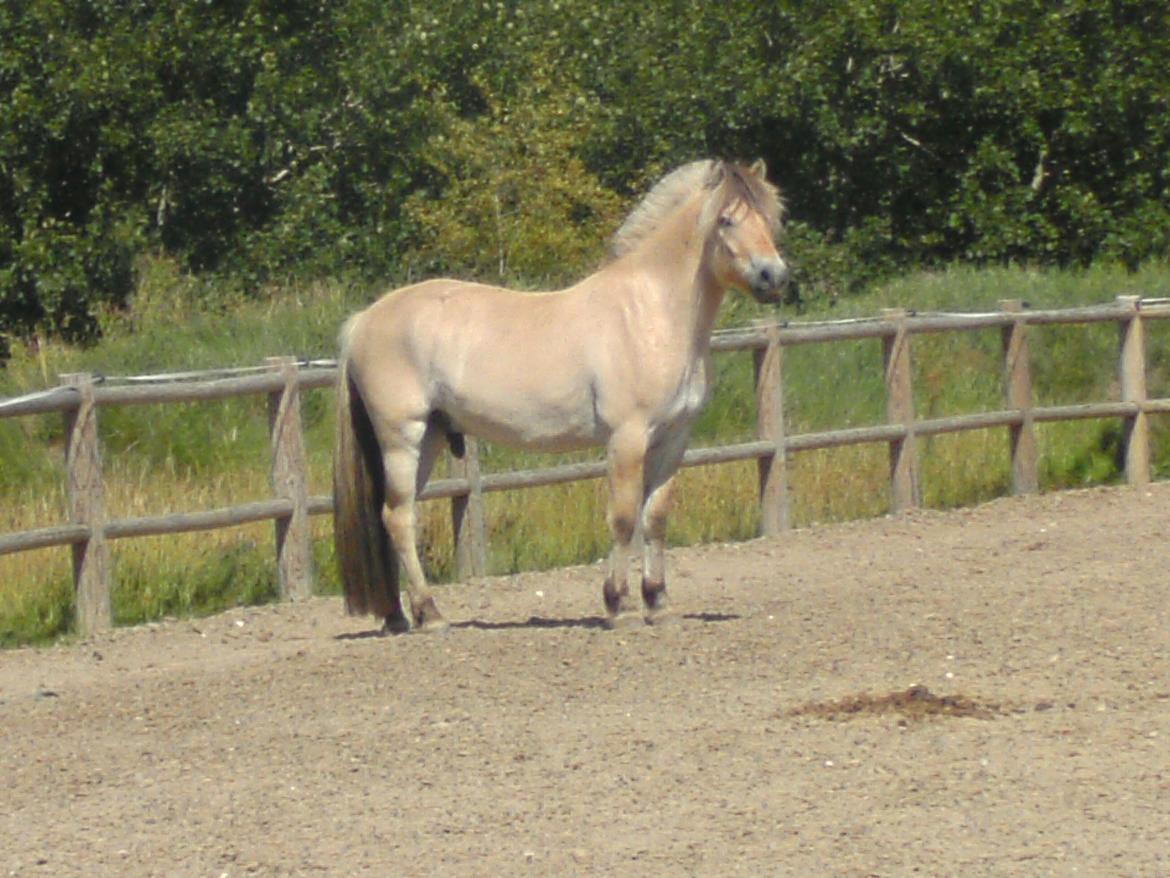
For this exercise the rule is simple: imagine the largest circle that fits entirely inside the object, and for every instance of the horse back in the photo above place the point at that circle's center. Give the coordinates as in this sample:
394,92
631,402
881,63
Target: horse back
512,367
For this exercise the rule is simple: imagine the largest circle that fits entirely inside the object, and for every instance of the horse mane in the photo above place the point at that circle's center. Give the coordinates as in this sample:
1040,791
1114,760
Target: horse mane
671,191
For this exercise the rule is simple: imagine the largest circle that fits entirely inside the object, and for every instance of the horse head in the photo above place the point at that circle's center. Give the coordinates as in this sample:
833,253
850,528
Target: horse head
741,218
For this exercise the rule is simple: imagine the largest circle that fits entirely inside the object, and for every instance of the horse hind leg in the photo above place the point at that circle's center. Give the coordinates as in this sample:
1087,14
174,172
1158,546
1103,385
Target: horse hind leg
403,478
430,448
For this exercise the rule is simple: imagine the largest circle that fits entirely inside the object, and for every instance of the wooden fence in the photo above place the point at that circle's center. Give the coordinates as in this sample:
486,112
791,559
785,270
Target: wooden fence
80,396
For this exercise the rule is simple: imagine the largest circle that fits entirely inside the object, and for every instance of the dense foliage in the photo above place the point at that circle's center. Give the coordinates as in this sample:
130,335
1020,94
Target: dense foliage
256,139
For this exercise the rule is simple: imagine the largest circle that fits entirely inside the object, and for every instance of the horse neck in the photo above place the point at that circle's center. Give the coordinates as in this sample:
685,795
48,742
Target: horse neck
686,292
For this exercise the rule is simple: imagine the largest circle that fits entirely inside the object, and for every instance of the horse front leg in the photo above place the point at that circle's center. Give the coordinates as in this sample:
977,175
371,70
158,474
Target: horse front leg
654,515
661,465
627,452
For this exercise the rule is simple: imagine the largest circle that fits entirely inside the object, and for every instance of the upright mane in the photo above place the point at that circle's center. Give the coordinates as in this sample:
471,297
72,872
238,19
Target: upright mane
683,182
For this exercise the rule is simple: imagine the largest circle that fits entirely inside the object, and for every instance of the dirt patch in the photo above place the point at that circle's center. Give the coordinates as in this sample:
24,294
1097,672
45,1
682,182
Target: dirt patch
913,704
981,692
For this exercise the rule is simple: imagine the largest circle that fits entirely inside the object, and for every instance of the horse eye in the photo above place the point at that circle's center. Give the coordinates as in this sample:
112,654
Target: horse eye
726,222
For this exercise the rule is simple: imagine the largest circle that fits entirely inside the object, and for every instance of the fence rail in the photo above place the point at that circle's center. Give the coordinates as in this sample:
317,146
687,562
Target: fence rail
282,379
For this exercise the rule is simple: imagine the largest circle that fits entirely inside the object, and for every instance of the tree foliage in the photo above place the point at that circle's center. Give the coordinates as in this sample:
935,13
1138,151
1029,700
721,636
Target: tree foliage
256,139
515,202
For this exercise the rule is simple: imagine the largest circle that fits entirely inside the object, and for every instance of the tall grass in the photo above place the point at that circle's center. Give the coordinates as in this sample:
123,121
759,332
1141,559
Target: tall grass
196,456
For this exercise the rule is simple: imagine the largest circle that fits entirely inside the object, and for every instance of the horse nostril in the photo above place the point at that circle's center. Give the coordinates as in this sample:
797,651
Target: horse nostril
766,277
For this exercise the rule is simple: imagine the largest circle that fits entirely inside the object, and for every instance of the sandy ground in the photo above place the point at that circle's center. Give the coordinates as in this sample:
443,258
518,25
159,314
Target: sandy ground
287,740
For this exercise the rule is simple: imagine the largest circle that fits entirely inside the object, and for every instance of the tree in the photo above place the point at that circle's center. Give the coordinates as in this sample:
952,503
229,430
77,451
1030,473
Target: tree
517,203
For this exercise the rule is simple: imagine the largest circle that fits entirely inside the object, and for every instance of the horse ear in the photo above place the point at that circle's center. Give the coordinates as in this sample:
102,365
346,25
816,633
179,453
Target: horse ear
716,173
759,169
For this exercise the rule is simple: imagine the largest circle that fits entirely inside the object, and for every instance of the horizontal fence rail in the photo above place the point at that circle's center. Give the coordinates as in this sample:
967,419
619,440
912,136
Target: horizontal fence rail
79,398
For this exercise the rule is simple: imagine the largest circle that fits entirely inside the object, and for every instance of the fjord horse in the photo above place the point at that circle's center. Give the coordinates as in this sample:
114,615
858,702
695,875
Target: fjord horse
621,359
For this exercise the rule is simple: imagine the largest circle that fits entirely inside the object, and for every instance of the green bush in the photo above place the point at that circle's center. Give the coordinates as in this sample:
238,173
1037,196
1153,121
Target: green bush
518,204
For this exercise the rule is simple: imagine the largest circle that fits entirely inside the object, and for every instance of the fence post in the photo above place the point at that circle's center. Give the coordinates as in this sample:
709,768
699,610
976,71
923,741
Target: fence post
467,518
1017,382
773,468
904,490
1132,370
294,559
85,494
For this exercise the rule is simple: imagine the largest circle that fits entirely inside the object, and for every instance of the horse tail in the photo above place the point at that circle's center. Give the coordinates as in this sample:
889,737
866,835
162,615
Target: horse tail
365,559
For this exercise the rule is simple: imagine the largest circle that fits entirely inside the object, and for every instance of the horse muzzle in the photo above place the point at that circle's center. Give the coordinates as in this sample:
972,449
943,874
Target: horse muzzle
766,278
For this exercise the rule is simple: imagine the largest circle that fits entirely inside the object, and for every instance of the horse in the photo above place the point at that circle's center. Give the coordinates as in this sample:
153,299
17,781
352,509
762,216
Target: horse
620,360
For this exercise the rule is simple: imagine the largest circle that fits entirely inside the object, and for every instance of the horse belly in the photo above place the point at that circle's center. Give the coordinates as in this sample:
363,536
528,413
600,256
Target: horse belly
510,371
521,417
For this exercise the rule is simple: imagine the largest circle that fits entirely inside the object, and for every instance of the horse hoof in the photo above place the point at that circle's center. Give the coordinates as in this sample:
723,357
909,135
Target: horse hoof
436,625
396,625
427,617
623,621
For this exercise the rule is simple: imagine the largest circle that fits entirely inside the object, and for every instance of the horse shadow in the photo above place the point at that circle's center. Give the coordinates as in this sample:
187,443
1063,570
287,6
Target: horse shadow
537,623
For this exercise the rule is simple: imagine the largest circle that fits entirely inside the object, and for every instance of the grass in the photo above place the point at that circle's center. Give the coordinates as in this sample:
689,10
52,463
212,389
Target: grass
186,457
